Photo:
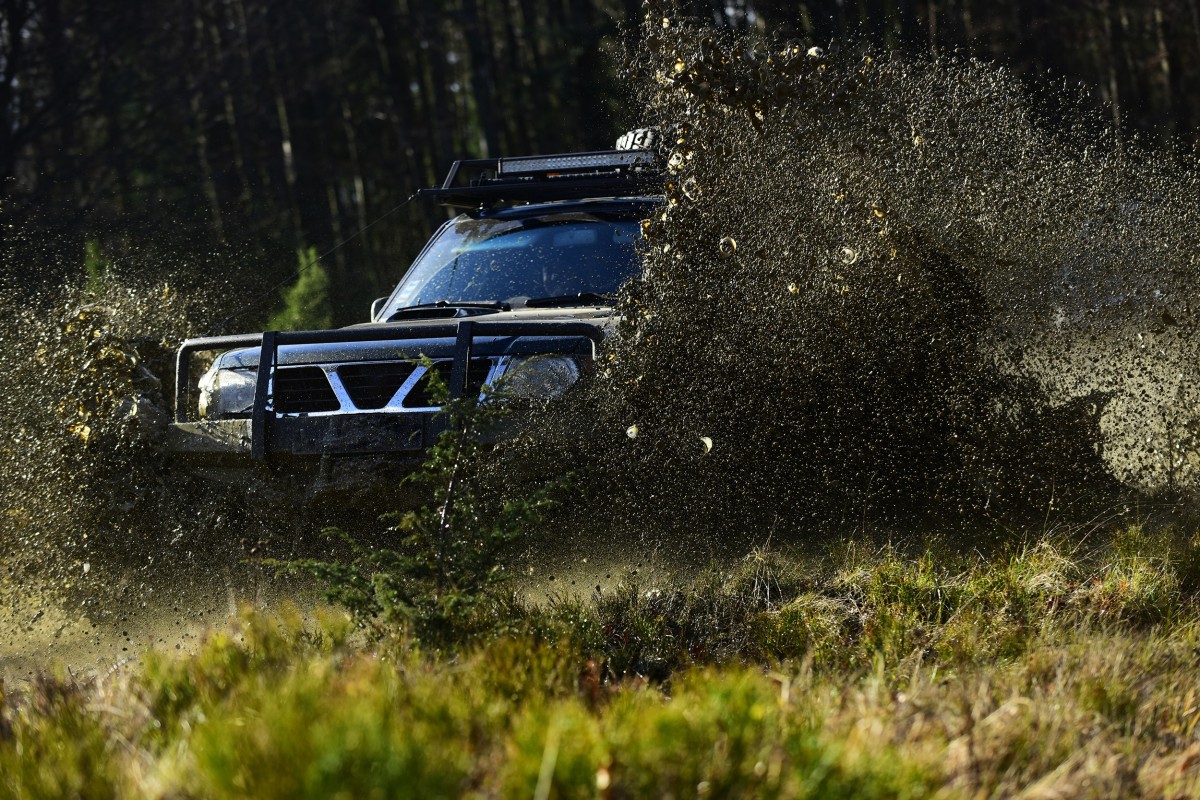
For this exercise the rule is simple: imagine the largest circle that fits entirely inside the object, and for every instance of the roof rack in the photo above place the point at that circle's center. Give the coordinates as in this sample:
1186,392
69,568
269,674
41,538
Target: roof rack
484,182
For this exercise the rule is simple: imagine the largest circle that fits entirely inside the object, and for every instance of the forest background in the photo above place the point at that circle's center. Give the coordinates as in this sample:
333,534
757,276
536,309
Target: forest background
216,139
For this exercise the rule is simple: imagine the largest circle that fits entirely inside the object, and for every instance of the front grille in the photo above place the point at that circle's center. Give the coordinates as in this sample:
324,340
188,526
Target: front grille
303,390
371,386
421,395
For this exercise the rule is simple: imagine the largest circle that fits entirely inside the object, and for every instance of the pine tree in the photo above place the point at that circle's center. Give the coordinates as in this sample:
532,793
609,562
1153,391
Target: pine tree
306,302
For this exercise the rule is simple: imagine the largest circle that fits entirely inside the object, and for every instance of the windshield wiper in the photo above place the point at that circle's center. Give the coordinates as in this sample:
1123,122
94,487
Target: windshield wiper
578,299
448,305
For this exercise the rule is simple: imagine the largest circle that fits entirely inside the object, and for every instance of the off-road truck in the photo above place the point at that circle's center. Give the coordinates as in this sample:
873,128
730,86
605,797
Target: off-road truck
516,291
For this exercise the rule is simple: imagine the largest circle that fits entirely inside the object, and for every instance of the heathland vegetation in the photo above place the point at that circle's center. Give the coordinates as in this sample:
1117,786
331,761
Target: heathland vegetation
1062,666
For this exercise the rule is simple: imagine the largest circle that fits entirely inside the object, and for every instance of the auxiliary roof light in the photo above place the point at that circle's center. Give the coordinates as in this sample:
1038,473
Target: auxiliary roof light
576,161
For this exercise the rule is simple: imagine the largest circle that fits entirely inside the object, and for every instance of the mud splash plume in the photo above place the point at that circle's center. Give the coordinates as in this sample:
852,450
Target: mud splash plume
882,290
97,522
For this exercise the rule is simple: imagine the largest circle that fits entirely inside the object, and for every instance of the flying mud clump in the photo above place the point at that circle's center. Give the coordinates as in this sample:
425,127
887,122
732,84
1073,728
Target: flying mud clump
882,291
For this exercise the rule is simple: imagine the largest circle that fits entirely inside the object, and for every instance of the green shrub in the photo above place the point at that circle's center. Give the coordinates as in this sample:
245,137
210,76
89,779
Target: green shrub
436,581
556,751
1137,580
55,746
322,730
96,266
811,626
174,689
306,302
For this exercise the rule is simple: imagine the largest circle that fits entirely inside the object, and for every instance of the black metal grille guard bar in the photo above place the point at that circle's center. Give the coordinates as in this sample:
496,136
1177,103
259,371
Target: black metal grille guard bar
463,332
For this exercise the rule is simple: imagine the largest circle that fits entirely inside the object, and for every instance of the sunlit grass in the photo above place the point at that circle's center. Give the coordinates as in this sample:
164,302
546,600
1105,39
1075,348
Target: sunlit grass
1048,669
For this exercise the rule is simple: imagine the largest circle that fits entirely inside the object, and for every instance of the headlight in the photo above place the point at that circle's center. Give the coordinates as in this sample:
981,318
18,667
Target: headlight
226,392
538,377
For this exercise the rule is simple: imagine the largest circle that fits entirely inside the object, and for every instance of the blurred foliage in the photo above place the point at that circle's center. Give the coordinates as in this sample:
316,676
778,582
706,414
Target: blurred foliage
306,302
867,672
229,130
95,266
226,128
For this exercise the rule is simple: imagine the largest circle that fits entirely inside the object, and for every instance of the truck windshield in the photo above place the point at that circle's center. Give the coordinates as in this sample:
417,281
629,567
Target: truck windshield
512,261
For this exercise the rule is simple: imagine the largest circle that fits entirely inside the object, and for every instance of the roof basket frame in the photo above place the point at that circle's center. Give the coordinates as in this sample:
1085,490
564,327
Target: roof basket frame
486,182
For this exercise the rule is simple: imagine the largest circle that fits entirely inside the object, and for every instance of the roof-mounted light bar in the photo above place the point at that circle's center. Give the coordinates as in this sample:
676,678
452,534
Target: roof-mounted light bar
484,182
524,165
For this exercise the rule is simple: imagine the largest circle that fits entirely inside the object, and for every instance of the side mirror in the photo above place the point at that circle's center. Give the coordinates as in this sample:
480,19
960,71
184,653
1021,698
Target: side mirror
377,306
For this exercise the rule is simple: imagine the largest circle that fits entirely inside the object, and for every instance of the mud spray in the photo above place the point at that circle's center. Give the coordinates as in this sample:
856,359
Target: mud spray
107,546
884,293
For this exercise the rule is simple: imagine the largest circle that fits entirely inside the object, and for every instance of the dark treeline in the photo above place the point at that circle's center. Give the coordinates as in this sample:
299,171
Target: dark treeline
248,129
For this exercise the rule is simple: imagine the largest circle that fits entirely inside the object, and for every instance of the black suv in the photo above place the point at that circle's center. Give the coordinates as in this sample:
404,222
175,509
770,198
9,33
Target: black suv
515,292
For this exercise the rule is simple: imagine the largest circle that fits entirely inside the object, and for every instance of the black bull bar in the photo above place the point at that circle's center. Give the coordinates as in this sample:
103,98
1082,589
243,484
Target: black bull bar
463,332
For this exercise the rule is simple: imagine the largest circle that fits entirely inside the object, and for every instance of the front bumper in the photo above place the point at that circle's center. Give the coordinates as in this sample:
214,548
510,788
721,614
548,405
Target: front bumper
266,435
354,461
358,434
